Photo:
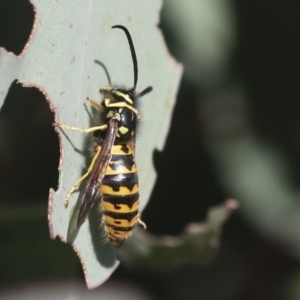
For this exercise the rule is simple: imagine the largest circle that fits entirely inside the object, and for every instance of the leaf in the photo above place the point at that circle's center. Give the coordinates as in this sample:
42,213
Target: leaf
197,244
59,60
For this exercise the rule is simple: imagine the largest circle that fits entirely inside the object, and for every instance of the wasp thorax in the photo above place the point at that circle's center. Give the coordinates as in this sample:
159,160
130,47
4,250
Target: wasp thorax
126,124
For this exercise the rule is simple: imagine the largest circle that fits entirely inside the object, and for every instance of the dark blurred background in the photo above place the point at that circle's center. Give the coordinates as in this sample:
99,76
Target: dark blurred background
235,132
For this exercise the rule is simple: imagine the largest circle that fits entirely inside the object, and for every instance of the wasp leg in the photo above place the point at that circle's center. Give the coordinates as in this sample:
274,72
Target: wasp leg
94,103
142,223
91,129
83,177
123,104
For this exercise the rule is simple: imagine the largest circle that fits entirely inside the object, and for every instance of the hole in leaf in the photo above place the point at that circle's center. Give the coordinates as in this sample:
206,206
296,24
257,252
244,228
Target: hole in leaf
185,186
29,146
16,23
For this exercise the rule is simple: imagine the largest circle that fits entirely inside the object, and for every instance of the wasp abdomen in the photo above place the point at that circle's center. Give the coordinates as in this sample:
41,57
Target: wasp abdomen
120,195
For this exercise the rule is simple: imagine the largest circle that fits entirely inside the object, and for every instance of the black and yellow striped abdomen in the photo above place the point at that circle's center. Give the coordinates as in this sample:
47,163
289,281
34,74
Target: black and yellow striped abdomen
120,195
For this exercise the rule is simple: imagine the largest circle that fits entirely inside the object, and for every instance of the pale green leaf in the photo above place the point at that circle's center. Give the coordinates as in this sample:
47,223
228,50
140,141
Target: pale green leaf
59,60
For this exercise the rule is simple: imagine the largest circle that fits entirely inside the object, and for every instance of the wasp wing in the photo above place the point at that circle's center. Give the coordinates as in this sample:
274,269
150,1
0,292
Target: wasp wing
94,182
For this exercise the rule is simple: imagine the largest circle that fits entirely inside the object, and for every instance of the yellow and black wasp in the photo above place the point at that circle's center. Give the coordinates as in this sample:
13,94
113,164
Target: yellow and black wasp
112,174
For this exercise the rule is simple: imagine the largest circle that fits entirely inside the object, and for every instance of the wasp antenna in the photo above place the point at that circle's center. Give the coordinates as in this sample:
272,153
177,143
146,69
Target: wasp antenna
105,70
133,55
144,92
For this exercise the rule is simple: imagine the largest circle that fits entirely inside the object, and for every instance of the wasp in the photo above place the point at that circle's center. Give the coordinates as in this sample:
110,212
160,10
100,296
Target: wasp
112,173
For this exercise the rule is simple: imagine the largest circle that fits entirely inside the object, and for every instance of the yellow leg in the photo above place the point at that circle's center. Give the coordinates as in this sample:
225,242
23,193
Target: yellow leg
142,223
91,129
82,177
123,104
95,103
